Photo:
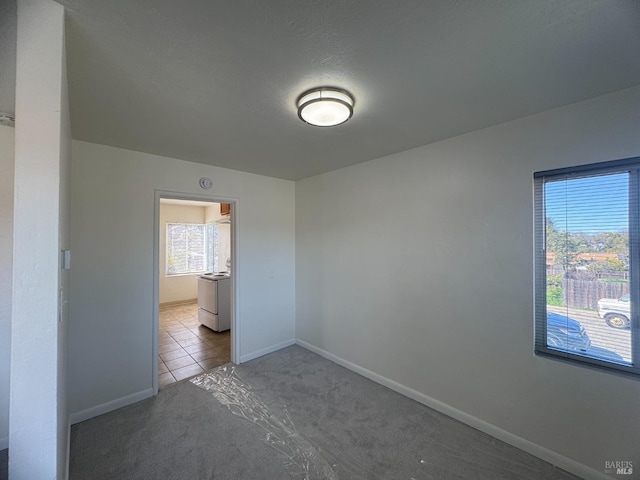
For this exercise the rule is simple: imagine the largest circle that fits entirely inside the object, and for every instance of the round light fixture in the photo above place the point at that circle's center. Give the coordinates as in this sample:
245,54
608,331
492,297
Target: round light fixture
325,106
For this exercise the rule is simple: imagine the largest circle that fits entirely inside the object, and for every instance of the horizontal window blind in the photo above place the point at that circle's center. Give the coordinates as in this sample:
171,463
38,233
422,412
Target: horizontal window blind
586,241
190,248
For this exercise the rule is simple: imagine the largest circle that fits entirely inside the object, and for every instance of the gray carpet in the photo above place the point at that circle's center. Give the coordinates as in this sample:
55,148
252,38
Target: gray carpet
310,419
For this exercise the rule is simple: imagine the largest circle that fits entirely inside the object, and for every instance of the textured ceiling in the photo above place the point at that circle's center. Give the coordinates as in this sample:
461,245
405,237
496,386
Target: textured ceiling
216,82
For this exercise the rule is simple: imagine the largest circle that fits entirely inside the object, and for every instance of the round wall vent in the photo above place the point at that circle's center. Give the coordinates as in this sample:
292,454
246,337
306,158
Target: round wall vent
206,183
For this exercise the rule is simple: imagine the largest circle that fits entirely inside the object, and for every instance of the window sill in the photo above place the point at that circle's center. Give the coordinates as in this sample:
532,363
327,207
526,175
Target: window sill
589,363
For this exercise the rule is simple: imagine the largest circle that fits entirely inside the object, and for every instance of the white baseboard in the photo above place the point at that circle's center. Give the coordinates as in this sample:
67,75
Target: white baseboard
534,449
83,415
4,443
265,351
78,417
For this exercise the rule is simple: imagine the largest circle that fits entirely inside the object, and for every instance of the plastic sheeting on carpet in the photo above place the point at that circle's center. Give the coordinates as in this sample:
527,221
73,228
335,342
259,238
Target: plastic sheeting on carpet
304,460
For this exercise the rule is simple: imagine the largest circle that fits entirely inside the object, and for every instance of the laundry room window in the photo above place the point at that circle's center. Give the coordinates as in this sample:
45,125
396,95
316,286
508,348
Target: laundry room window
191,248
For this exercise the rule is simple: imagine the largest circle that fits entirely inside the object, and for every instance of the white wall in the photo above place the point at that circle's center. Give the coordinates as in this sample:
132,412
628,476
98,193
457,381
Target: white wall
212,214
224,246
112,198
418,267
176,288
6,265
64,276
38,423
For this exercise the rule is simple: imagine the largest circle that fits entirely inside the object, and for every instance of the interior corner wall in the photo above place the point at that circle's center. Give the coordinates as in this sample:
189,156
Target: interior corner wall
418,269
112,235
212,214
176,288
224,246
38,428
6,268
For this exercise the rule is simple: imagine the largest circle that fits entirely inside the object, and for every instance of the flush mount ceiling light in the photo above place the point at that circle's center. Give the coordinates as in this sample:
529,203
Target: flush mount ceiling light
325,106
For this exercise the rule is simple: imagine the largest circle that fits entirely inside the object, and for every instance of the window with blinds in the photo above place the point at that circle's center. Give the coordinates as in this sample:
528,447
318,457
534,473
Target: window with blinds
191,248
587,264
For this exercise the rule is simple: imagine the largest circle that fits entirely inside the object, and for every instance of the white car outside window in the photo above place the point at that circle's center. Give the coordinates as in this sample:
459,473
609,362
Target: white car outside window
615,311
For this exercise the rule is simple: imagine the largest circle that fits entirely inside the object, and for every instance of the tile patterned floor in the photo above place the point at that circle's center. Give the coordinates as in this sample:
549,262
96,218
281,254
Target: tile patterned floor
186,348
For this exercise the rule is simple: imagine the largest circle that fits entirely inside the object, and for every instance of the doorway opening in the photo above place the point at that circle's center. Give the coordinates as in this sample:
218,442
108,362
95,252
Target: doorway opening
194,322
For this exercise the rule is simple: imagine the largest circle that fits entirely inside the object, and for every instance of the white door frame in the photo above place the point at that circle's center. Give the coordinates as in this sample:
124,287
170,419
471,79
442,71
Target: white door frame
235,321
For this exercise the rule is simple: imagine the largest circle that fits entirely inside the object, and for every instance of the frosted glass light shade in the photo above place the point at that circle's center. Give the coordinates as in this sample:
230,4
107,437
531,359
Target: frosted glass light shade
325,107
